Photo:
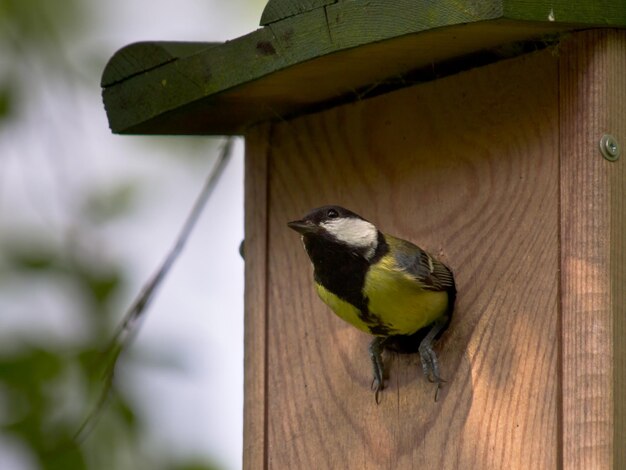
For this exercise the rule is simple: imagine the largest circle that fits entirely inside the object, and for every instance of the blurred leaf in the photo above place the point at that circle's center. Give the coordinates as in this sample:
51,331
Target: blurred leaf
97,282
100,286
6,102
27,377
126,412
67,457
194,466
110,204
39,20
32,259
30,368
88,358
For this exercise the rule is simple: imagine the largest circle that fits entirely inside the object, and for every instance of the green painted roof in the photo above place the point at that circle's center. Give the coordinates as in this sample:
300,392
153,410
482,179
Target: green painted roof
312,53
276,10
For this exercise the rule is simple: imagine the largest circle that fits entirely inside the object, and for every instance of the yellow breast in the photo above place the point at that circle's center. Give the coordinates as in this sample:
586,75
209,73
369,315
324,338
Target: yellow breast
394,298
343,309
400,302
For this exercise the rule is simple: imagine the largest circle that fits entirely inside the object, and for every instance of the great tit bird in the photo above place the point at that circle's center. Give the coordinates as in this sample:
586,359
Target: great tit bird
382,285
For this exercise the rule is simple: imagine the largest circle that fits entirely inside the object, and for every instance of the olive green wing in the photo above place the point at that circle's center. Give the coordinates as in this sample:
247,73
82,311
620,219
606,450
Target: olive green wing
430,273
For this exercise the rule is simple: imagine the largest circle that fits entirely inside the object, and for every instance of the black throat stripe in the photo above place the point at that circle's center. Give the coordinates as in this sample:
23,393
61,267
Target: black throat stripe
341,269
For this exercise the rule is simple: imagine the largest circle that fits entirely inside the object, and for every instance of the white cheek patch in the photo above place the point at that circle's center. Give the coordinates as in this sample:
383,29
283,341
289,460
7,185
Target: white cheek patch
354,232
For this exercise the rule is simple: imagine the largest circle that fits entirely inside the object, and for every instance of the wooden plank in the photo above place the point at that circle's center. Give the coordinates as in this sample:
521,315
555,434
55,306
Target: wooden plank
593,224
617,120
255,332
303,37
276,10
140,57
353,23
184,97
339,47
466,166
598,12
178,83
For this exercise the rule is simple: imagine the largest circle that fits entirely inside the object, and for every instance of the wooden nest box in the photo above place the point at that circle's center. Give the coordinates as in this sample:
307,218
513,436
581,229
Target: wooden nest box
487,132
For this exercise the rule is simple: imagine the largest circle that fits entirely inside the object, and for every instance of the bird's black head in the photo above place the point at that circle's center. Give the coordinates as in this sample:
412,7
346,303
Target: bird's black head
336,226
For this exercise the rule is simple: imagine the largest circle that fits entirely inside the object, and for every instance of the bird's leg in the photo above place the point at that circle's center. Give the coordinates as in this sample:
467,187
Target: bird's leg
430,363
376,350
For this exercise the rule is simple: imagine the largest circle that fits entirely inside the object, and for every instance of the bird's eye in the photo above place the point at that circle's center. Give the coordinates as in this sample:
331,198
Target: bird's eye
332,214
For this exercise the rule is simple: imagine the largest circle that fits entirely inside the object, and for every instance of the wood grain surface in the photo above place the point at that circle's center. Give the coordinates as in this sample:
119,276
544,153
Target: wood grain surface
593,232
276,10
140,57
468,168
255,333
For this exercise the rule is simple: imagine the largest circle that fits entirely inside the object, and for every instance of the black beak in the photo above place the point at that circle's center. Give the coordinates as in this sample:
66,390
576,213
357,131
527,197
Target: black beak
302,226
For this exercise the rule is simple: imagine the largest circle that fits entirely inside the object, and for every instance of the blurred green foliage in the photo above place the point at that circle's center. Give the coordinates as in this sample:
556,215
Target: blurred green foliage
38,21
38,380
51,389
5,102
47,388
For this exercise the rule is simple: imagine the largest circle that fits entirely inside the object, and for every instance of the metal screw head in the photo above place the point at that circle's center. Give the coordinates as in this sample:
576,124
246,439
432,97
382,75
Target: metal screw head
609,147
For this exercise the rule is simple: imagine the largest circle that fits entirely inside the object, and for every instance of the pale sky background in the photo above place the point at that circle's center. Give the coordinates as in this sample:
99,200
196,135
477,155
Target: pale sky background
61,145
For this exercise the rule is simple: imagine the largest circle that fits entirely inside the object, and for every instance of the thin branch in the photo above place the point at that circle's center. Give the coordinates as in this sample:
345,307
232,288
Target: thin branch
131,323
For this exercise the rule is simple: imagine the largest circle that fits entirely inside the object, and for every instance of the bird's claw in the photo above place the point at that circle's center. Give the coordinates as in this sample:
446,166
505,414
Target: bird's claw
430,363
378,383
377,387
